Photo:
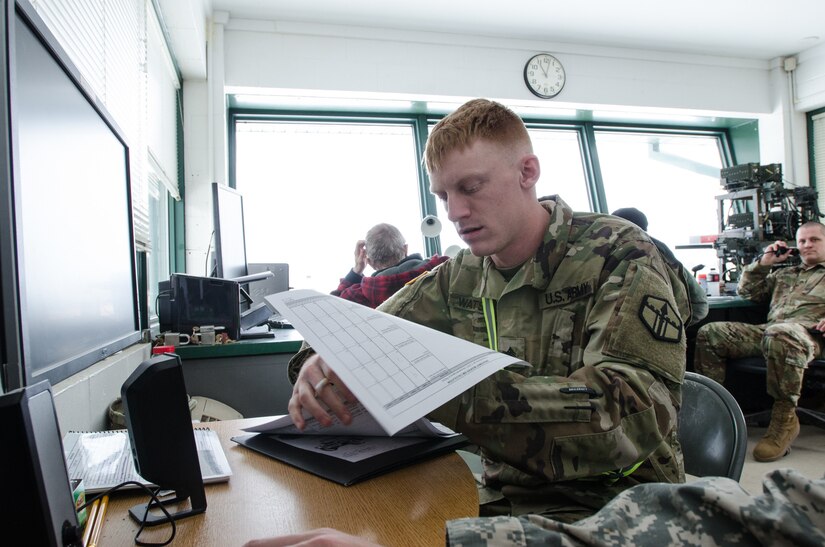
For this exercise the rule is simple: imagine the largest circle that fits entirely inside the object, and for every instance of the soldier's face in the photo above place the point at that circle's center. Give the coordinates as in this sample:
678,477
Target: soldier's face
811,244
484,193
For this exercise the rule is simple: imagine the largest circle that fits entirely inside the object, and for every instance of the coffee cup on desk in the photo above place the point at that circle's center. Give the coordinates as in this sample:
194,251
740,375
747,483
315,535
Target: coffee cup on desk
176,339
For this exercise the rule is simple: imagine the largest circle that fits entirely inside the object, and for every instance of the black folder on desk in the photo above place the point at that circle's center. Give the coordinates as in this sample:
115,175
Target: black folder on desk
345,472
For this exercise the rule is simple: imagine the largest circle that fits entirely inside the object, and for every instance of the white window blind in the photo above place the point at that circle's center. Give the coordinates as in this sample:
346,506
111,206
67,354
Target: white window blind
819,158
106,39
162,102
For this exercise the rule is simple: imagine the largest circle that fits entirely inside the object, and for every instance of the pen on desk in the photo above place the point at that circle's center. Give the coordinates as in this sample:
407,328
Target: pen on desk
101,516
90,522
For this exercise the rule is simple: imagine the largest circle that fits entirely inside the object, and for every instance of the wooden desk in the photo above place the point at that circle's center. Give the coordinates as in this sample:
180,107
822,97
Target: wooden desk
266,498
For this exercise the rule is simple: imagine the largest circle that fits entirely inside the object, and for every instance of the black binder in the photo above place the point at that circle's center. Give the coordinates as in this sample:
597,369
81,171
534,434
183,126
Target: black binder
346,472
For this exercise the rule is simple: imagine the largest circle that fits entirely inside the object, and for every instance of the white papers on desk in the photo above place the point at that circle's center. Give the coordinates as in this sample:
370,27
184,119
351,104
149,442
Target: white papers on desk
362,439
398,370
362,424
103,459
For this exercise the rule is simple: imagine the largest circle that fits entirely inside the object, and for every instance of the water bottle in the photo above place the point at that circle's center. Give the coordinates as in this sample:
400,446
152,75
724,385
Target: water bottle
713,282
703,282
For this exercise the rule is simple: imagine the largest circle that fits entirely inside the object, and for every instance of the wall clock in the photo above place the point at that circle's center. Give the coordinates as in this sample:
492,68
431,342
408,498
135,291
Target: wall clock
544,75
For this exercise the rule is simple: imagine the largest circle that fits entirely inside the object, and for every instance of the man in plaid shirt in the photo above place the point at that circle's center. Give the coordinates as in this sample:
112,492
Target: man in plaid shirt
385,250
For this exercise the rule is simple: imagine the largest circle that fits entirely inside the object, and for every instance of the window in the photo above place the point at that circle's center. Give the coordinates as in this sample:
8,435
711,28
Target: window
158,257
562,170
672,179
816,131
311,190
314,184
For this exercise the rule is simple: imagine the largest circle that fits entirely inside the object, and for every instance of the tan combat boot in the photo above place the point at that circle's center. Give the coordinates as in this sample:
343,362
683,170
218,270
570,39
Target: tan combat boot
782,431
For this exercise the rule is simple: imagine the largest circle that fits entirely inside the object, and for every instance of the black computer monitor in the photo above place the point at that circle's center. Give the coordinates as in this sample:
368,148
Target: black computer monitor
230,252
67,252
230,240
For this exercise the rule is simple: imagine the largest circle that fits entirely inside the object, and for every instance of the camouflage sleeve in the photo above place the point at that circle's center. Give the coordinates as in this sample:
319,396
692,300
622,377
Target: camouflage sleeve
297,361
756,284
709,511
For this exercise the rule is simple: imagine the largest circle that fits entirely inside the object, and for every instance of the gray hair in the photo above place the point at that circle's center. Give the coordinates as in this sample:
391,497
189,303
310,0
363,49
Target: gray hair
385,246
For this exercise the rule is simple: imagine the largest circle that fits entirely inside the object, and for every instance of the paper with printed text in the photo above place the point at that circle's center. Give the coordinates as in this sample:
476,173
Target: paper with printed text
398,370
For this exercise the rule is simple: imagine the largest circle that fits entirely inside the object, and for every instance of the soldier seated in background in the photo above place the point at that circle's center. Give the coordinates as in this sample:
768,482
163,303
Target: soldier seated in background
697,296
790,339
584,298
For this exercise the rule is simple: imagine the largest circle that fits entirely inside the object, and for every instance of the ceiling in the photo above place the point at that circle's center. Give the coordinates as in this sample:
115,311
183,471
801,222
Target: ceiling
752,29
759,30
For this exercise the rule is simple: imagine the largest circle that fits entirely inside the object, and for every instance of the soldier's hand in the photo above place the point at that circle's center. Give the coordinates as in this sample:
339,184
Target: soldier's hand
321,537
319,392
776,252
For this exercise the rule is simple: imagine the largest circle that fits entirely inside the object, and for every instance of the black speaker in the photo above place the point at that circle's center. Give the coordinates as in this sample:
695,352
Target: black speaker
38,499
163,442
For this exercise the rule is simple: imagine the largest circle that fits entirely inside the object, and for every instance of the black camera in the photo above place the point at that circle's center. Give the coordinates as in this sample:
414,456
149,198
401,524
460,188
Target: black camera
793,250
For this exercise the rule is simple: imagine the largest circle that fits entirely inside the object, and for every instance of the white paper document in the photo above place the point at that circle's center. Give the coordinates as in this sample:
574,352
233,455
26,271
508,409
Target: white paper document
363,424
362,439
399,370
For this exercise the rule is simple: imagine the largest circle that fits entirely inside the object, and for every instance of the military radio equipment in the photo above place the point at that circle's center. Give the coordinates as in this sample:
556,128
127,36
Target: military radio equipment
756,211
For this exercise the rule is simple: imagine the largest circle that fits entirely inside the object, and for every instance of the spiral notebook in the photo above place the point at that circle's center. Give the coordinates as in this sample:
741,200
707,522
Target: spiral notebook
103,459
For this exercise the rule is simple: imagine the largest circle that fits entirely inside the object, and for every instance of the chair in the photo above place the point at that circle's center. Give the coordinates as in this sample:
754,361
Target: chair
742,371
712,429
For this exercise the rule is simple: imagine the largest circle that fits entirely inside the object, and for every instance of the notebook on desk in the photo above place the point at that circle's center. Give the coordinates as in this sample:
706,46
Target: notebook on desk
103,459
346,472
347,454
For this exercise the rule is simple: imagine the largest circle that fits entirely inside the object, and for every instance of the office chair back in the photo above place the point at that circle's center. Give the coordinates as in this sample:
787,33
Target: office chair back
712,429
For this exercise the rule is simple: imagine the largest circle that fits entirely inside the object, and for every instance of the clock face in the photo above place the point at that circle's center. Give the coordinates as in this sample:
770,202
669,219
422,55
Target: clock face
544,75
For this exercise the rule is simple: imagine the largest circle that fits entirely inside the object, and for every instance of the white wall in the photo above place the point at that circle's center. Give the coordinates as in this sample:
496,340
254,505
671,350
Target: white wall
82,400
267,55
290,55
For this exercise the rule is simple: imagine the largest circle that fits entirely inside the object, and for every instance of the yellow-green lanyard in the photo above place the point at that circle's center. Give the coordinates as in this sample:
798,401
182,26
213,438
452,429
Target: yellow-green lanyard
488,305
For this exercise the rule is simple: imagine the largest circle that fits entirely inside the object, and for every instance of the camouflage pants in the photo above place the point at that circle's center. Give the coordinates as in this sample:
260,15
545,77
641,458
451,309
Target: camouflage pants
709,511
786,347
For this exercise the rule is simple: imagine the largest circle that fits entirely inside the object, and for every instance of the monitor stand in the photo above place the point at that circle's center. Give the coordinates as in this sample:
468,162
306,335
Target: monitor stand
255,316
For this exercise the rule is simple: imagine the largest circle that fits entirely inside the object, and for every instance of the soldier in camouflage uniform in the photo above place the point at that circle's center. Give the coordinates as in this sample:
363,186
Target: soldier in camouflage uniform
585,298
790,339
708,511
